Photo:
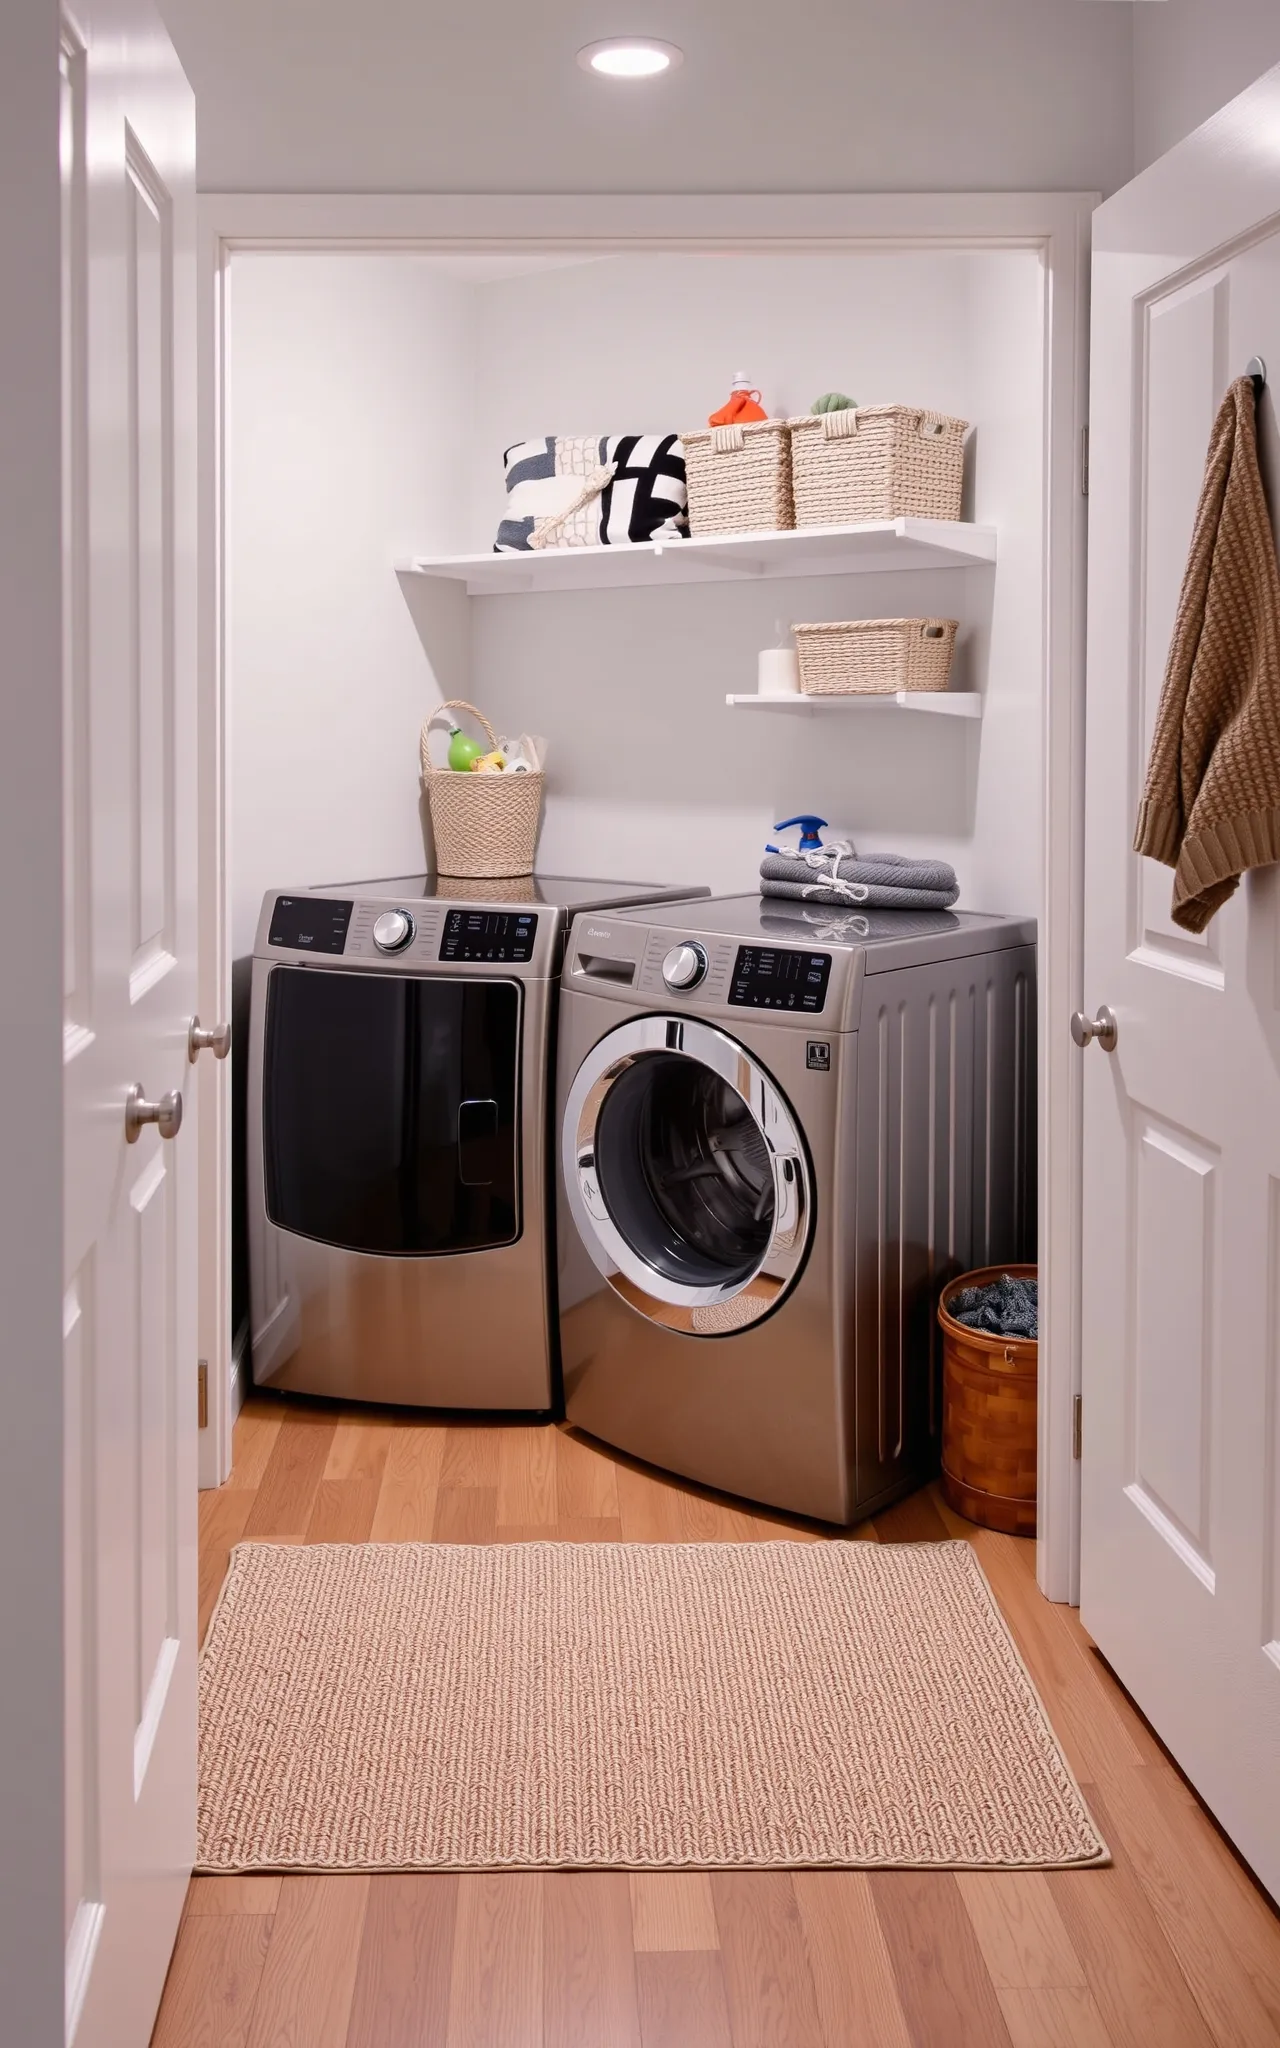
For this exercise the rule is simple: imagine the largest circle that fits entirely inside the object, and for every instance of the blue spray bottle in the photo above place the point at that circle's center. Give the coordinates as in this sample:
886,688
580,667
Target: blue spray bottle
811,830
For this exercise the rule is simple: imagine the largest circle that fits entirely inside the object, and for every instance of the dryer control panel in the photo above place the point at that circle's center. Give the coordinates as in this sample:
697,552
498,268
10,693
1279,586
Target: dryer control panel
408,933
309,924
489,935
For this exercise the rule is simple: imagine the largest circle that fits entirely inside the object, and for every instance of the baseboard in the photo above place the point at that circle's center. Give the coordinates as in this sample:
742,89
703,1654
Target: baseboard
239,1386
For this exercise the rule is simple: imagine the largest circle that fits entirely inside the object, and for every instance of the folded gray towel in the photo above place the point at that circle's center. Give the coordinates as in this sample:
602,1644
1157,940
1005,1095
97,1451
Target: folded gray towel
878,881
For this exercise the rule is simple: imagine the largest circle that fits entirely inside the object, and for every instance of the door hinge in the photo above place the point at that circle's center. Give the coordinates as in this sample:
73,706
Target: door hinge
1077,1424
1084,462
202,1394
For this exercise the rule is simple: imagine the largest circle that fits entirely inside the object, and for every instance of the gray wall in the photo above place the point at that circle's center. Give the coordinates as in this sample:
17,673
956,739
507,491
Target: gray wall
31,1817
1189,58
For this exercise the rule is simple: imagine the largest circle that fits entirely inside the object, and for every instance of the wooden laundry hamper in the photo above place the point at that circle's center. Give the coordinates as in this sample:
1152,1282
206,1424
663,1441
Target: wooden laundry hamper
989,1435
739,478
875,657
876,462
485,826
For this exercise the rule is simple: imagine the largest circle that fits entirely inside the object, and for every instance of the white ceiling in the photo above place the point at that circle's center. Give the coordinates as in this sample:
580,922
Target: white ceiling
774,95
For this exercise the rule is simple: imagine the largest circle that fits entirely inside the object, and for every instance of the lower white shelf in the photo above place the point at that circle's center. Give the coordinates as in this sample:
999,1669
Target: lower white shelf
943,703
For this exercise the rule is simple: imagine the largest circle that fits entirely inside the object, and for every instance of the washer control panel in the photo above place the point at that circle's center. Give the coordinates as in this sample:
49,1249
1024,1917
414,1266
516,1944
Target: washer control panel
665,968
779,978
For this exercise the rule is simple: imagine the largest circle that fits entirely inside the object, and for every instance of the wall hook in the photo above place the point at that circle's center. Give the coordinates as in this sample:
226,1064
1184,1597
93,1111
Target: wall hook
1257,369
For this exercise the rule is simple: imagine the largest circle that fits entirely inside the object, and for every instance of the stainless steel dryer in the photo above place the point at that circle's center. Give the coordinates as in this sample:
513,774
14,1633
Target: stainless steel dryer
401,1044
782,1128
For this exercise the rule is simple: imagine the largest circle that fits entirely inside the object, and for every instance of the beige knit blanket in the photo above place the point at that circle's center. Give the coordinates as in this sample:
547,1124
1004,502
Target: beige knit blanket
1211,805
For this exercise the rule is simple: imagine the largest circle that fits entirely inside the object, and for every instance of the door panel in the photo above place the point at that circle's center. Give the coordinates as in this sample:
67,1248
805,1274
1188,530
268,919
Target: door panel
150,367
77,842
130,898
1174,1310
1181,1247
1186,373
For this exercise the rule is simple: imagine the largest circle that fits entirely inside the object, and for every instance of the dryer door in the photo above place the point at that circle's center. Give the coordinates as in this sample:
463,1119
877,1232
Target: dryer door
687,1175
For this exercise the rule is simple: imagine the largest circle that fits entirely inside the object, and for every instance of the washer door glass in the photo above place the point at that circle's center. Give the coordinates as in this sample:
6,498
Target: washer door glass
686,1175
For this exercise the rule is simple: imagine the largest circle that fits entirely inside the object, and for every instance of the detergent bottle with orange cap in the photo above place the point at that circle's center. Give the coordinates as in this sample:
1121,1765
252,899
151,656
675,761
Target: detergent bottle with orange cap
743,404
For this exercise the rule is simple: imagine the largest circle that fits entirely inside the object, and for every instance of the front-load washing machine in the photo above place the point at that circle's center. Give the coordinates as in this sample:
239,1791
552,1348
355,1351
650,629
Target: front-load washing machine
782,1129
399,1215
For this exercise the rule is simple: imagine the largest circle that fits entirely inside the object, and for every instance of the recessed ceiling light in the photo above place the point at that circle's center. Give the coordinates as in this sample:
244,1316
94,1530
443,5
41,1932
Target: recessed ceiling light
630,57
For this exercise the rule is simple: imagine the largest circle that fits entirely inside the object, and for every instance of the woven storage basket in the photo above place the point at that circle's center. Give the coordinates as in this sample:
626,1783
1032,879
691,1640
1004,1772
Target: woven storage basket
876,462
988,1416
739,478
875,657
485,826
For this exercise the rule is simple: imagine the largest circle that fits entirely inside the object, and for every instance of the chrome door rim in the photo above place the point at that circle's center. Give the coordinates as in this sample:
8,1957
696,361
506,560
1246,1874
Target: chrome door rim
703,1310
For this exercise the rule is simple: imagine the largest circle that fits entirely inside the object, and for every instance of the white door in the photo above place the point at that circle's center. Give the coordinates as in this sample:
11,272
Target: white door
1180,1522
128,150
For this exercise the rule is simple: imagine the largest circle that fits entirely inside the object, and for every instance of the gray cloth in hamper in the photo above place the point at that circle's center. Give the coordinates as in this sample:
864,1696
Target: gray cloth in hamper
881,881
1004,1308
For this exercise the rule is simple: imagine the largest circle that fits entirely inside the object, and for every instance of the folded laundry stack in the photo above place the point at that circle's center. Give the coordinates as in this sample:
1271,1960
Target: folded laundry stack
879,881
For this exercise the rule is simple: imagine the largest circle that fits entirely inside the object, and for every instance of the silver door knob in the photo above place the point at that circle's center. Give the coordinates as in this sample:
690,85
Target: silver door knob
685,966
217,1040
166,1114
1103,1027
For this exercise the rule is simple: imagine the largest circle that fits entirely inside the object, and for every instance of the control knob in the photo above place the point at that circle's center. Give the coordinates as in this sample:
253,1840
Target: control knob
685,965
392,931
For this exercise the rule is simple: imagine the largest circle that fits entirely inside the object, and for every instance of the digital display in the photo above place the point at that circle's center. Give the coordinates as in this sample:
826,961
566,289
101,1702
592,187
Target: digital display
488,935
776,978
309,924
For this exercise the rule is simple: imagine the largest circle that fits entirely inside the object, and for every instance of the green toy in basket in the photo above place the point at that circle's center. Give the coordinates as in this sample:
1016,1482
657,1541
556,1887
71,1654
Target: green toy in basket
834,401
463,750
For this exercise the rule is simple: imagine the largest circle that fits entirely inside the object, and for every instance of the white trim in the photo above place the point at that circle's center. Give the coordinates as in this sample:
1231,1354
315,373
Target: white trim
212,1078
82,1947
1057,224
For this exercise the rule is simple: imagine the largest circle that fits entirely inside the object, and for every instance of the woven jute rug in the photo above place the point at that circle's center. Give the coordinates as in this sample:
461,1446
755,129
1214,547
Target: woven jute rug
424,1706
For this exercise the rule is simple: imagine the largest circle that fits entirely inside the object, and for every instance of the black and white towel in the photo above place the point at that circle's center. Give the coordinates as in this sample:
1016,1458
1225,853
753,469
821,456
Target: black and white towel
646,498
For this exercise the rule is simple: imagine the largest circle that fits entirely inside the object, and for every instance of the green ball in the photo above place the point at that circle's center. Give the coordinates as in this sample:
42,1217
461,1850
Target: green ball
833,401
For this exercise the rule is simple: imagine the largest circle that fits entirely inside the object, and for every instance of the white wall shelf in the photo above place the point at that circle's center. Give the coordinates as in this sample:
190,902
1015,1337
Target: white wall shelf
807,551
947,703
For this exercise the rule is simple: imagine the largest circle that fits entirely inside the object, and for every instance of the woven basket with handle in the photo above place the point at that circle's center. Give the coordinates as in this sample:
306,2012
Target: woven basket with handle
875,657
876,462
739,478
485,826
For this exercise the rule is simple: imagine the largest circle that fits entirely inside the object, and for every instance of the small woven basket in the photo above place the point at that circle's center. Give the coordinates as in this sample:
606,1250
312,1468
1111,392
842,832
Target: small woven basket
876,462
875,657
739,478
485,826
989,1437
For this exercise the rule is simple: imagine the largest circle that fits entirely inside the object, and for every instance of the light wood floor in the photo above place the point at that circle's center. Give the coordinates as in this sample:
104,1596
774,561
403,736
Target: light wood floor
1172,1948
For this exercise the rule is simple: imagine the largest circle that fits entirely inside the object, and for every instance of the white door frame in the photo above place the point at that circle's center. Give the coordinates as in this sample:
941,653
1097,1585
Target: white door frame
32,1764
1057,224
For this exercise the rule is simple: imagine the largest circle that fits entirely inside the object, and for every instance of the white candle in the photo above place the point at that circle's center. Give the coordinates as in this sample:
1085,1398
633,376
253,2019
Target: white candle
779,672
